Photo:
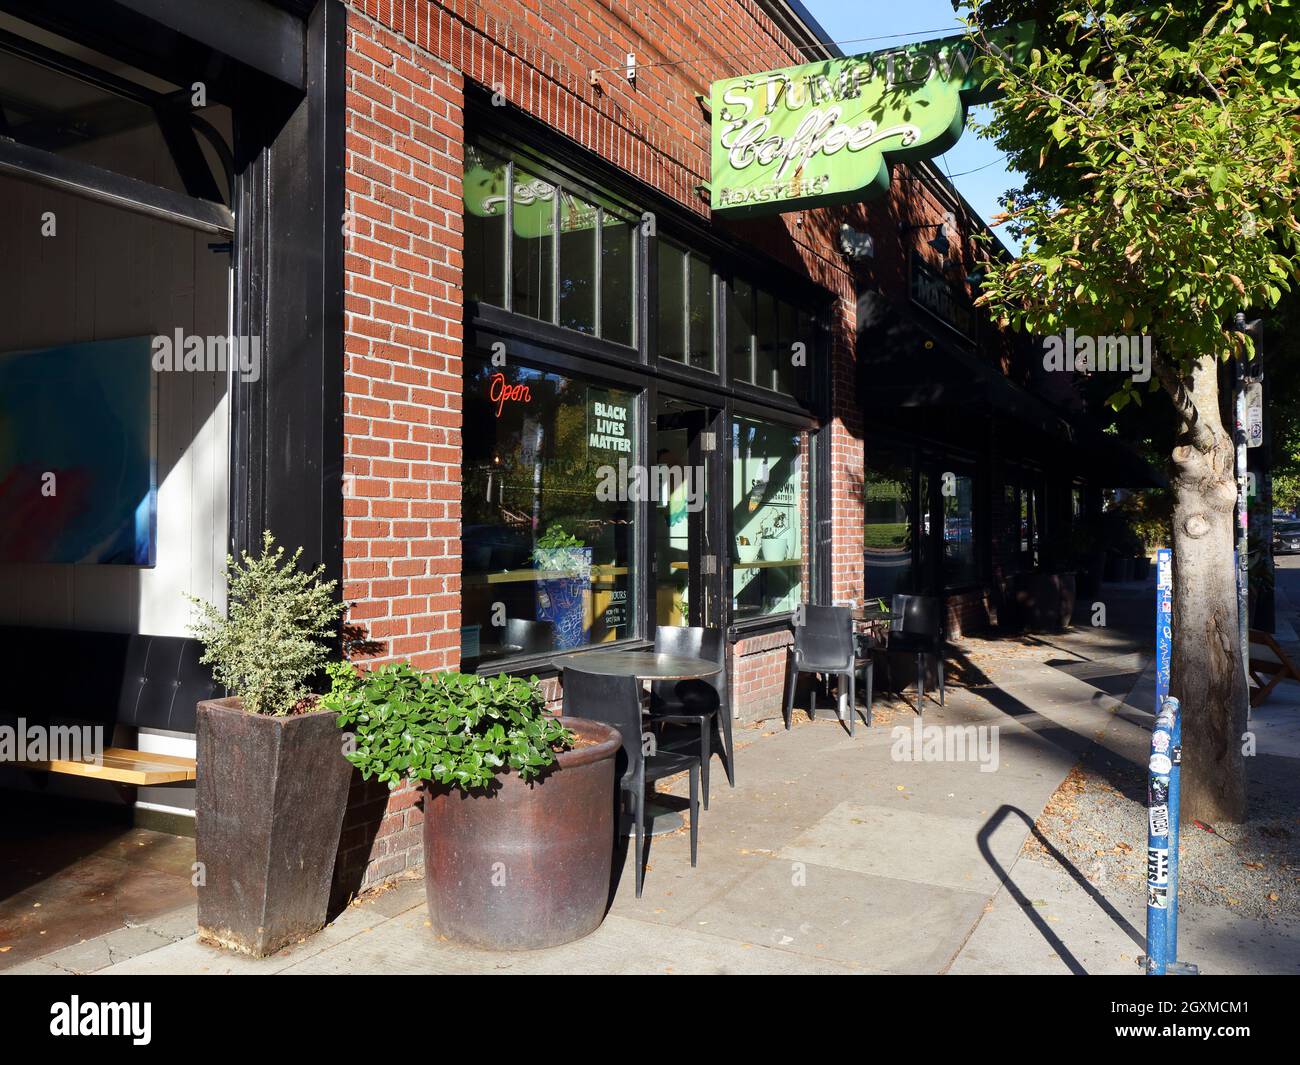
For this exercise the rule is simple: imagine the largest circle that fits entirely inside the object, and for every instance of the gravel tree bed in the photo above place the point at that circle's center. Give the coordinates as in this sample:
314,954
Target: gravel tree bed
1097,820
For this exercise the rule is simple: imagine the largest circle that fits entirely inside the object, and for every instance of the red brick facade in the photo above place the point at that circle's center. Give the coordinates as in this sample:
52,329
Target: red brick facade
409,63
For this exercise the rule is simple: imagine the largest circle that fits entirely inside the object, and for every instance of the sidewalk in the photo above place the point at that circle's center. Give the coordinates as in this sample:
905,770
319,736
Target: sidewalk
832,857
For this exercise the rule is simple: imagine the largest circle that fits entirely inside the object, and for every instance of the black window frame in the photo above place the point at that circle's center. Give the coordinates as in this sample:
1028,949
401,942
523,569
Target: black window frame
548,345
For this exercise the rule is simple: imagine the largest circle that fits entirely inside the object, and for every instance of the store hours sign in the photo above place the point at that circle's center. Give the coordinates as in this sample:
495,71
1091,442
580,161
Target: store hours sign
824,133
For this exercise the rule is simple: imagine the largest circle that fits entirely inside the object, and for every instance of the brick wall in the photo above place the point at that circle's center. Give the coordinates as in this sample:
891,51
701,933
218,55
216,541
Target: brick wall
402,349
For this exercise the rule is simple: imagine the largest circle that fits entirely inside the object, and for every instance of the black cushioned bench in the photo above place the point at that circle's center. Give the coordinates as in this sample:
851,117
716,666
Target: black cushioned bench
63,677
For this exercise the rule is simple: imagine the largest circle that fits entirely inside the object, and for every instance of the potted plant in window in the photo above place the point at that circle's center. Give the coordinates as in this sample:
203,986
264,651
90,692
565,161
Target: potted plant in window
519,808
272,782
563,562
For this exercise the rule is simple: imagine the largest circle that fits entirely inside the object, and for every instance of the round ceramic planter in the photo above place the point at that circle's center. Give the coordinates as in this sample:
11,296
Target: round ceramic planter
528,865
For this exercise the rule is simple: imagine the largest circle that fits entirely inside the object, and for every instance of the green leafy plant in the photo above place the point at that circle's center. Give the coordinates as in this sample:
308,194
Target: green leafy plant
555,536
449,728
275,634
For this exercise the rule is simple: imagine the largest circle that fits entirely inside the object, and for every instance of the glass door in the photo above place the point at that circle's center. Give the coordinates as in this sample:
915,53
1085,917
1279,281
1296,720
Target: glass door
686,563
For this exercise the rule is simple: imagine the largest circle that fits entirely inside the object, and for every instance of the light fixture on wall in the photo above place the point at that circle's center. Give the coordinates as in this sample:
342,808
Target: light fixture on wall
939,242
855,245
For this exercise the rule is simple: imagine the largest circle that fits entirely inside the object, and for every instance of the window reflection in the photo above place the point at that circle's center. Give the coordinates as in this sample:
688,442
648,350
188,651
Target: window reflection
888,513
547,542
767,517
533,236
618,279
486,177
960,563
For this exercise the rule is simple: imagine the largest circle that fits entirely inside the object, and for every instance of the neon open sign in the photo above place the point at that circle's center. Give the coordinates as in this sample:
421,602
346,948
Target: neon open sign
502,392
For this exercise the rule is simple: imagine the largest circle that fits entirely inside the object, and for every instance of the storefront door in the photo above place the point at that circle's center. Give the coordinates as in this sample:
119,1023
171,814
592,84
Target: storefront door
686,541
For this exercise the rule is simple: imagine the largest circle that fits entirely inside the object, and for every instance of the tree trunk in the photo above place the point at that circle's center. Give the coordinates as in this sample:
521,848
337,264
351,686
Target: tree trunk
1206,670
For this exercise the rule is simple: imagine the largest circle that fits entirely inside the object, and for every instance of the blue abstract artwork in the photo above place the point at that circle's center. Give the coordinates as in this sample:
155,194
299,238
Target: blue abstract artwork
78,469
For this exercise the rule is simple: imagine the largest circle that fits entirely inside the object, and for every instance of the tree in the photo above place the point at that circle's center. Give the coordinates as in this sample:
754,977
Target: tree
1159,149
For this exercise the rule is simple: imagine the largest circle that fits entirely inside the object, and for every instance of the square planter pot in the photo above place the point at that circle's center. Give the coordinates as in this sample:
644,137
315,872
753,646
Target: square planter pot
269,804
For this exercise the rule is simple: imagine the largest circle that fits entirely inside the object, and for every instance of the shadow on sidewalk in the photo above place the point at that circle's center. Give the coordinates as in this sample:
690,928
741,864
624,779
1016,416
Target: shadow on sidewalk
1026,904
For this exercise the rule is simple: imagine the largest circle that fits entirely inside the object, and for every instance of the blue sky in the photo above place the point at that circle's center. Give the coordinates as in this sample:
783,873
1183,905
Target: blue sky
968,161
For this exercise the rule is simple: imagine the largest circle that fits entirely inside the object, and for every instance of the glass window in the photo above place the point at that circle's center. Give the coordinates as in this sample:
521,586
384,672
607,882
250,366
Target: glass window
533,249
700,293
787,336
486,176
769,341
618,280
740,329
671,302
578,247
768,508
888,513
960,564
1009,546
548,528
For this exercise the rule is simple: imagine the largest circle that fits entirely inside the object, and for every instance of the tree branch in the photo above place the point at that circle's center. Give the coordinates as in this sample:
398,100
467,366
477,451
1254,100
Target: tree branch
1198,435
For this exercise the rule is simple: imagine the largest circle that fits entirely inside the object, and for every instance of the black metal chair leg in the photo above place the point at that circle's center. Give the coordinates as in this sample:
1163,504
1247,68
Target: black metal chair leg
870,672
853,700
725,712
695,813
791,679
706,730
639,815
920,681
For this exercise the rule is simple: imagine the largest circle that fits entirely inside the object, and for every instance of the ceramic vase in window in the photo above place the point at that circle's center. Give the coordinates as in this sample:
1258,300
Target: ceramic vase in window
563,587
746,549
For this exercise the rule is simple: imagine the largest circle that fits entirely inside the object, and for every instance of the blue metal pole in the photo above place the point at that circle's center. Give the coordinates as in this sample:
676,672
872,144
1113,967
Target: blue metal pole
1175,759
1158,769
1164,622
1159,778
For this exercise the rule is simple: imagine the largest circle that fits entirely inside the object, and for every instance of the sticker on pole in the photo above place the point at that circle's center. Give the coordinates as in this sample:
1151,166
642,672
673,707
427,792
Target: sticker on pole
1160,741
1157,866
1158,791
1161,764
1158,896
1159,818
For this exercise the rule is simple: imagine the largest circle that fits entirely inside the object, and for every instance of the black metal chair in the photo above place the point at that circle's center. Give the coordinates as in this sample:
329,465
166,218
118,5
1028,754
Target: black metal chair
616,701
530,635
864,643
823,644
701,701
919,630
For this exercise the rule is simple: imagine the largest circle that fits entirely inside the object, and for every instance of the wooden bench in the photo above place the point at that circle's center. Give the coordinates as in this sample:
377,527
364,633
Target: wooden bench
125,766
1268,672
63,677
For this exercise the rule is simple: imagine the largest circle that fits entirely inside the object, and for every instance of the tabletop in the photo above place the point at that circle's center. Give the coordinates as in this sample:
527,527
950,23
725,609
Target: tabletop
863,613
644,665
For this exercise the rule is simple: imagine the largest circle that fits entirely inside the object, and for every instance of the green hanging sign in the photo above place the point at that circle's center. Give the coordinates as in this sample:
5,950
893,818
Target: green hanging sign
824,133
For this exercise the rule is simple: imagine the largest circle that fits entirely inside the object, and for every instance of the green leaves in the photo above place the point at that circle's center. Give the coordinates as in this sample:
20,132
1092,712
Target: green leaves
274,636
447,727
1158,147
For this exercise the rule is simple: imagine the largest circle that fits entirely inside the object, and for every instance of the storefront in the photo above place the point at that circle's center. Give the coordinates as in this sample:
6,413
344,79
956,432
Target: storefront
642,401
518,387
